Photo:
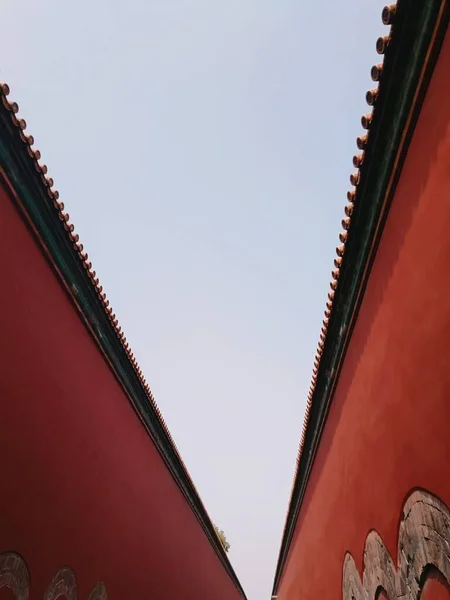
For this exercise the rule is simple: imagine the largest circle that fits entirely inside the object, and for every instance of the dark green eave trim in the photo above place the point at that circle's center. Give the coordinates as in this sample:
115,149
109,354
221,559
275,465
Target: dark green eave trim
27,184
390,133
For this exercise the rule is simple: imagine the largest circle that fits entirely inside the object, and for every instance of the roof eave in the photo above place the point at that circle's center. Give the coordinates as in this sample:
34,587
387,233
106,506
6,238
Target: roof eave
413,48
31,191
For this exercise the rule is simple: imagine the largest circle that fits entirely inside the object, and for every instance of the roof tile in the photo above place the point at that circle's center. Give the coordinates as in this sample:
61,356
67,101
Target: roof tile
35,156
388,15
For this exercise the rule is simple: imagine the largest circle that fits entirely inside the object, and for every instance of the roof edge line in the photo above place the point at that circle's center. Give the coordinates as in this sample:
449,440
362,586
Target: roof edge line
31,192
375,183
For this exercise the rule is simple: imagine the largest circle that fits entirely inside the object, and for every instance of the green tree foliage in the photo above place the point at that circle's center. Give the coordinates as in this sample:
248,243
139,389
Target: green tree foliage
222,538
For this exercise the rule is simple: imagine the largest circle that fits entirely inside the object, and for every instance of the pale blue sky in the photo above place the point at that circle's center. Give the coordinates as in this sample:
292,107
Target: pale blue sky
203,150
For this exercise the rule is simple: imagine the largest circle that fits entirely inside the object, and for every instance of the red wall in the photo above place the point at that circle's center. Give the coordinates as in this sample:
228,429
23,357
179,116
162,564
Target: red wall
435,587
388,427
81,483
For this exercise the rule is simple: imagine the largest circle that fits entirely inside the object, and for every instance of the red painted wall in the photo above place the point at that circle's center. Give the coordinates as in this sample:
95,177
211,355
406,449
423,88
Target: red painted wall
81,483
436,587
388,427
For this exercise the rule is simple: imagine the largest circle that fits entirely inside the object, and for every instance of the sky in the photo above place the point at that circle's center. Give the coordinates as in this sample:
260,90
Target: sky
203,150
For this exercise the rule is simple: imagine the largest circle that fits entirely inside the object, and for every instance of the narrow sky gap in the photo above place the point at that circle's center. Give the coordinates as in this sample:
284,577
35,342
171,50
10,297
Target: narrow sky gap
203,150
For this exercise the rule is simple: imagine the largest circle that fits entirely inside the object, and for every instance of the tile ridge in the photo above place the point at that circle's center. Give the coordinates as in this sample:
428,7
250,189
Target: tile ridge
362,142
48,183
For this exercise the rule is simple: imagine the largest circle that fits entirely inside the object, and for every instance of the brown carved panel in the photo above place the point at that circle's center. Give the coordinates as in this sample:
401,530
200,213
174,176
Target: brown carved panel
424,541
14,574
64,583
99,592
